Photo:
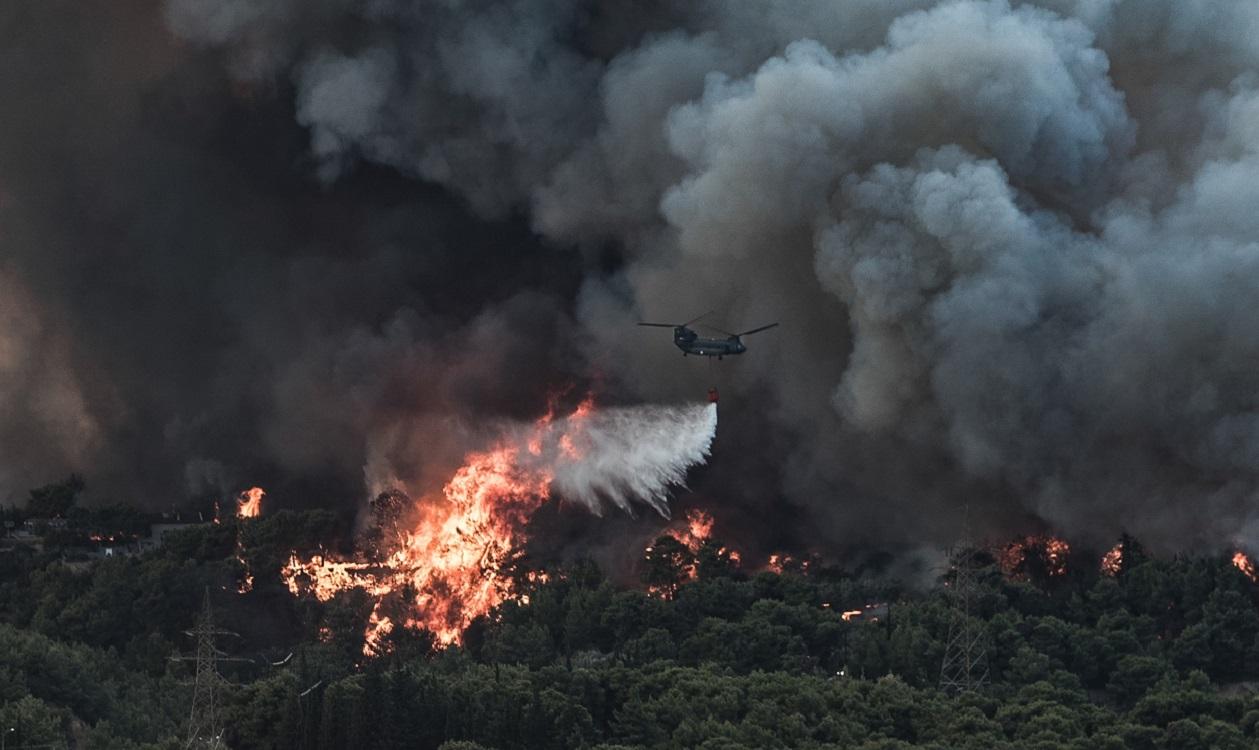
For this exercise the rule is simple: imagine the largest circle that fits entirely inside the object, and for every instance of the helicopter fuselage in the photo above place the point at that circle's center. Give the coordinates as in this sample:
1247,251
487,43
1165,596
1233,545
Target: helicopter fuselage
691,342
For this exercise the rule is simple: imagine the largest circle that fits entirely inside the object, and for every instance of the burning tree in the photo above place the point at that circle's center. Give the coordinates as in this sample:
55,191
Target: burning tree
686,551
667,565
1123,557
249,503
1242,562
1036,558
453,559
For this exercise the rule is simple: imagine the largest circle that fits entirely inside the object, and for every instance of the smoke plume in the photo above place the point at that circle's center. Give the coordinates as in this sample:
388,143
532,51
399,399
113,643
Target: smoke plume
1012,247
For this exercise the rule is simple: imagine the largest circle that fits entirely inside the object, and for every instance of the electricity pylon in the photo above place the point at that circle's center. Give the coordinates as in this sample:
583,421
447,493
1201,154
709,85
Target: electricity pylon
205,732
965,666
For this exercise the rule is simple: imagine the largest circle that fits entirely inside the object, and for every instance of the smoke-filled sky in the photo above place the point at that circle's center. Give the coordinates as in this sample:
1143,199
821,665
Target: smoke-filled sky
1014,249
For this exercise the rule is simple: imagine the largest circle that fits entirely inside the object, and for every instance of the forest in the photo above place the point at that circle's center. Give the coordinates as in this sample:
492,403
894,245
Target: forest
1155,653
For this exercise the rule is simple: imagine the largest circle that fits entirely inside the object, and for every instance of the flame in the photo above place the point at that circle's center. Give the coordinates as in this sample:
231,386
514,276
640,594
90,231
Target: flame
1013,556
699,525
378,626
694,532
782,563
249,503
1243,563
869,613
698,528
1112,561
454,564
1057,551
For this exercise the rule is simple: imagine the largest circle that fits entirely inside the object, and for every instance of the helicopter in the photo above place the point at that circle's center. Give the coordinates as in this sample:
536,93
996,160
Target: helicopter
691,342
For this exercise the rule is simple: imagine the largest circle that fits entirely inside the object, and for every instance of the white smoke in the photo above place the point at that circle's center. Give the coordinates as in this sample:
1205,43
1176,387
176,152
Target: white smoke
628,455
1013,244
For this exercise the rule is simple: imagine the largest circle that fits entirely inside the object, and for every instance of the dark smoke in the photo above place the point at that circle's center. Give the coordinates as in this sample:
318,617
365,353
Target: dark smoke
1013,247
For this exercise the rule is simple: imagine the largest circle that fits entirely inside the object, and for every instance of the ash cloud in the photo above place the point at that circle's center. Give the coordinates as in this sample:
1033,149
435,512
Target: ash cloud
1012,246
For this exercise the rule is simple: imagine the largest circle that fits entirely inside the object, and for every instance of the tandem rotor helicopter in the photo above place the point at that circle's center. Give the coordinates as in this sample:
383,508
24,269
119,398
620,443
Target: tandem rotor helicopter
691,342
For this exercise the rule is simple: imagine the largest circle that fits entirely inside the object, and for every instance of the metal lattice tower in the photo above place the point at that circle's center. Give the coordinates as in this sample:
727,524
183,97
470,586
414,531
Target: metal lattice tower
204,728
965,666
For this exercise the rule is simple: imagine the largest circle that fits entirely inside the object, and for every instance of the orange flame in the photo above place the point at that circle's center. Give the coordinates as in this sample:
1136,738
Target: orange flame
1013,556
1243,563
454,564
695,531
872,612
1112,561
378,626
699,526
1057,551
249,503
783,563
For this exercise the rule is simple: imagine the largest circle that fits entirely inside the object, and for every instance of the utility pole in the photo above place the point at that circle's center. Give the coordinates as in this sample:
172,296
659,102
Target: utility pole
965,666
205,732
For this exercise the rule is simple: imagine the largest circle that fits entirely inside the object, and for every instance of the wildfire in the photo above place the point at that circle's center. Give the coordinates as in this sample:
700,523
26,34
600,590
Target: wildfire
782,563
1112,561
249,503
454,564
692,534
874,612
378,626
699,526
1243,563
1054,552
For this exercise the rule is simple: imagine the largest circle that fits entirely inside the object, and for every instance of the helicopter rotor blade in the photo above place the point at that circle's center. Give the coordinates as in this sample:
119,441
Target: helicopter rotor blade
715,328
660,325
694,320
757,330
